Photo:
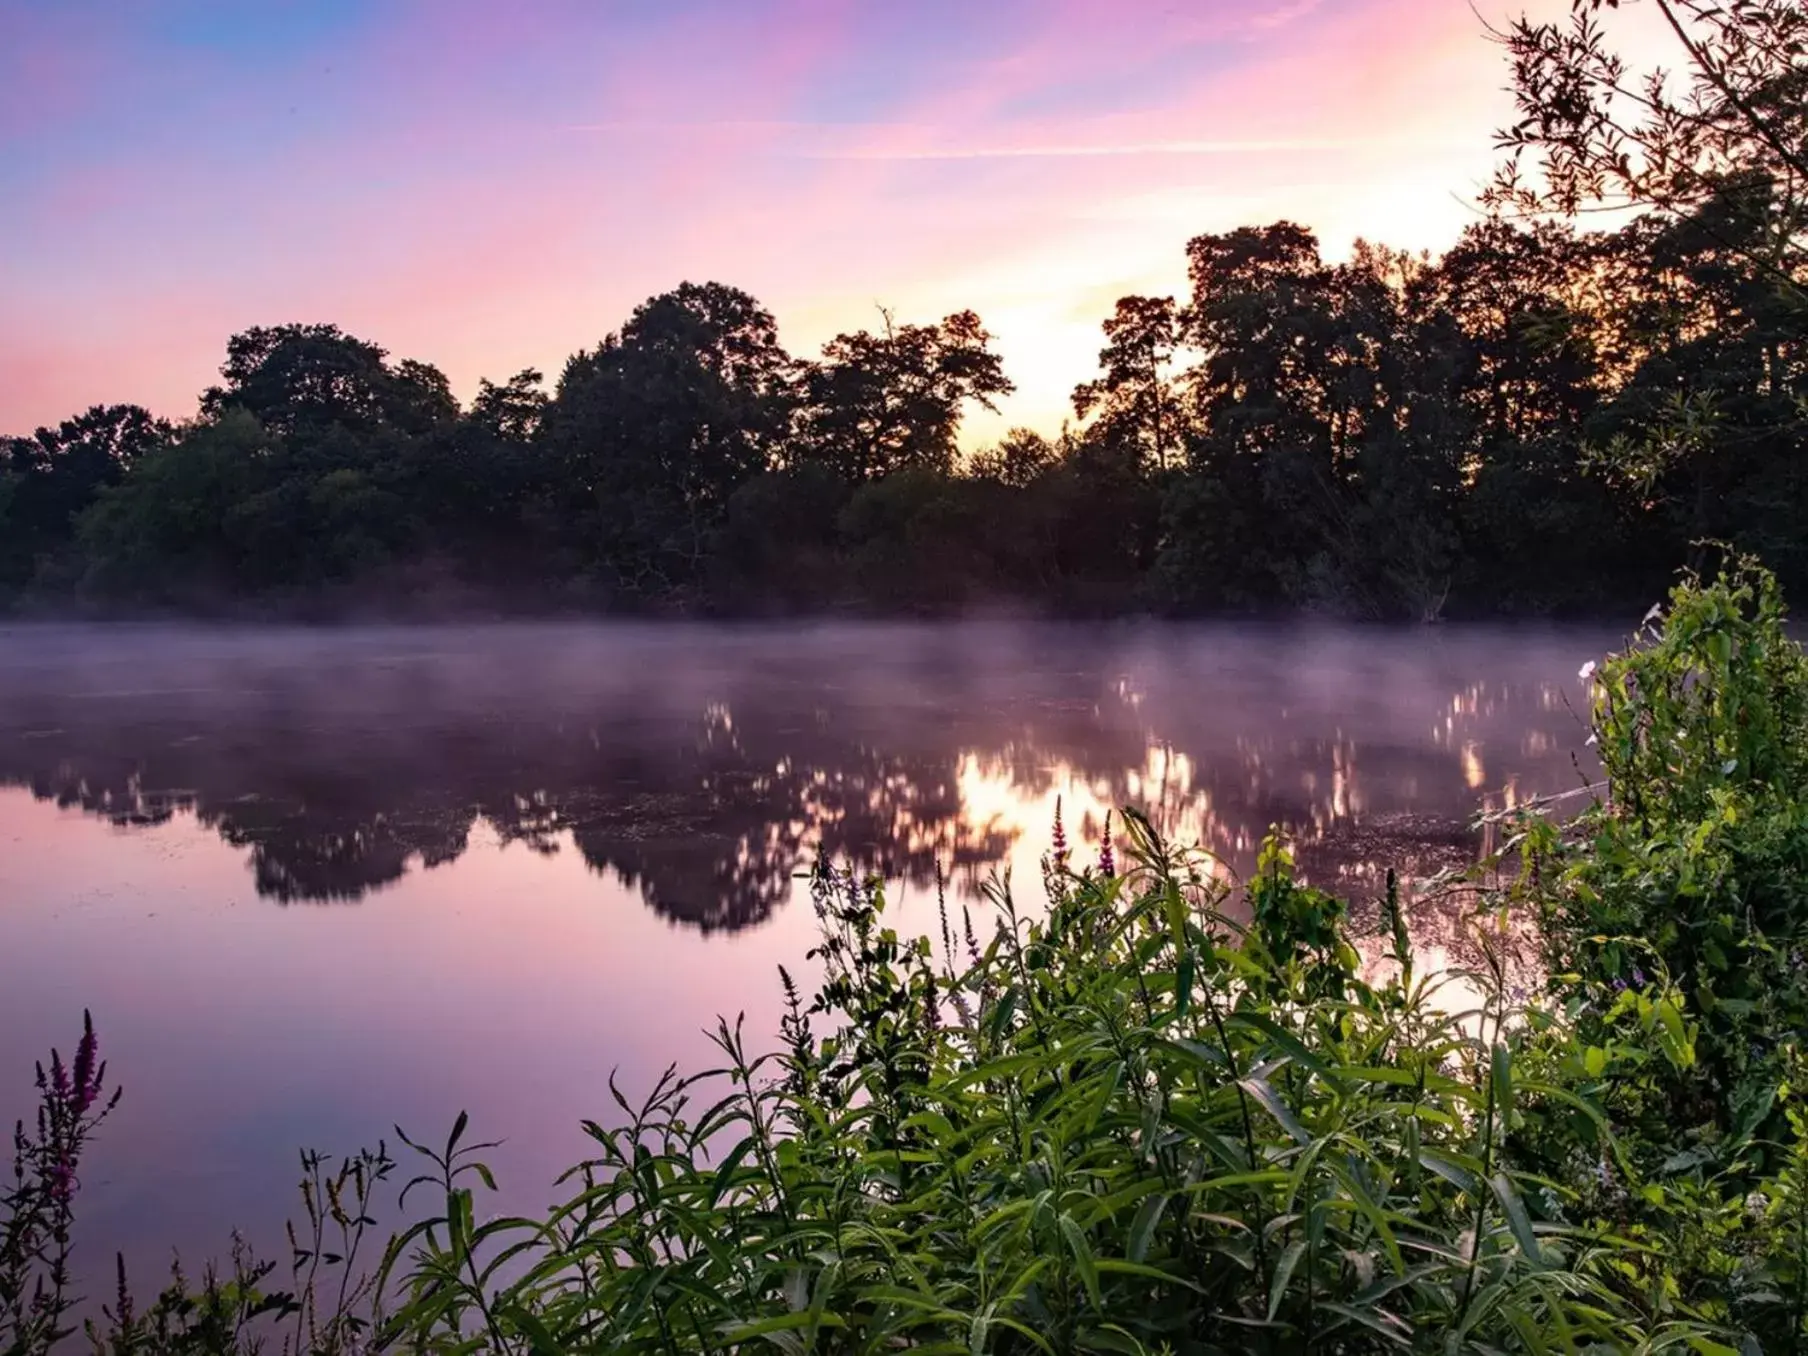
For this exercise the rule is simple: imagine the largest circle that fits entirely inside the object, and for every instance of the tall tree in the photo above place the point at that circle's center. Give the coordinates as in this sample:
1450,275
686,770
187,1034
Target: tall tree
1323,395
1017,460
1134,400
304,382
653,429
514,410
1261,319
878,403
1706,419
1733,127
197,515
480,484
52,476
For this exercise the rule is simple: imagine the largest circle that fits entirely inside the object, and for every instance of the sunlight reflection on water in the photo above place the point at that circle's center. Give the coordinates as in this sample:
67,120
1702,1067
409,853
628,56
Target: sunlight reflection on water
568,847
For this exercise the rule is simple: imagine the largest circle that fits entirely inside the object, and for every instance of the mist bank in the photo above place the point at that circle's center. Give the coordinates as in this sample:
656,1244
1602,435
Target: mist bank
706,764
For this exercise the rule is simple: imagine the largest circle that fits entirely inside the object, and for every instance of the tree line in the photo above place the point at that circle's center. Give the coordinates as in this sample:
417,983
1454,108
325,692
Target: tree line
1545,419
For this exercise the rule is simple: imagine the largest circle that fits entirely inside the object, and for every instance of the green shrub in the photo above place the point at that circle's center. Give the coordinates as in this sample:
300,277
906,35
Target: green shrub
1695,862
1124,1125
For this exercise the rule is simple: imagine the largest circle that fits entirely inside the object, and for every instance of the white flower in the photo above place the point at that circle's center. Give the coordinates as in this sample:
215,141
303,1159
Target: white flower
1587,671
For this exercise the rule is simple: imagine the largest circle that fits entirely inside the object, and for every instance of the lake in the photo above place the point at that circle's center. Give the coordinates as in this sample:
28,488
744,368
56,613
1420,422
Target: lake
316,882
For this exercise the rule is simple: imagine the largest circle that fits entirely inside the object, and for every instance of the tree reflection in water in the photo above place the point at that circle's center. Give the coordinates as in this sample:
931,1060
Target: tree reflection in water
706,767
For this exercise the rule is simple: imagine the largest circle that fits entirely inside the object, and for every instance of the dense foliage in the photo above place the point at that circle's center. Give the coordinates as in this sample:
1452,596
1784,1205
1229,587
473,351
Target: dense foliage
1379,437
1694,875
1128,1122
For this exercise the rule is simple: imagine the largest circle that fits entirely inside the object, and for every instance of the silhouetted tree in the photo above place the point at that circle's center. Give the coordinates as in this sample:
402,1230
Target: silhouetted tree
1134,400
1018,459
879,403
1706,412
513,411
1729,136
48,479
304,382
202,515
651,431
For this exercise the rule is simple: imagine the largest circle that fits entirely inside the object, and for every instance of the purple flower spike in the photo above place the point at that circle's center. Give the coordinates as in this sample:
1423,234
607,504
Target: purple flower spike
1107,860
1060,848
87,1070
123,1299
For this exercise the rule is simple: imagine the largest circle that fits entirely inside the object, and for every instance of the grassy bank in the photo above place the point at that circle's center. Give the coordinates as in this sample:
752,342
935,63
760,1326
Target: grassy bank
1123,1122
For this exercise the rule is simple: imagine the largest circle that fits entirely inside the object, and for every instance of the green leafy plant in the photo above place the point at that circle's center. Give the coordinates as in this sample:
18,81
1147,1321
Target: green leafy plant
1696,860
1118,1126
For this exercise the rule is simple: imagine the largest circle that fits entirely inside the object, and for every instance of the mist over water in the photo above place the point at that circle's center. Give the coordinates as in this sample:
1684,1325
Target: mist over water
313,882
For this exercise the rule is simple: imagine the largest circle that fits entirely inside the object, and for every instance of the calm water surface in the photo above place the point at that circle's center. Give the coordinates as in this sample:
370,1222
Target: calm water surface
316,882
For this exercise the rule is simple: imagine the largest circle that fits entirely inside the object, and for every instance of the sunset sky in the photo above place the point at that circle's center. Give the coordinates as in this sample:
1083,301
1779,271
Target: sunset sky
490,186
